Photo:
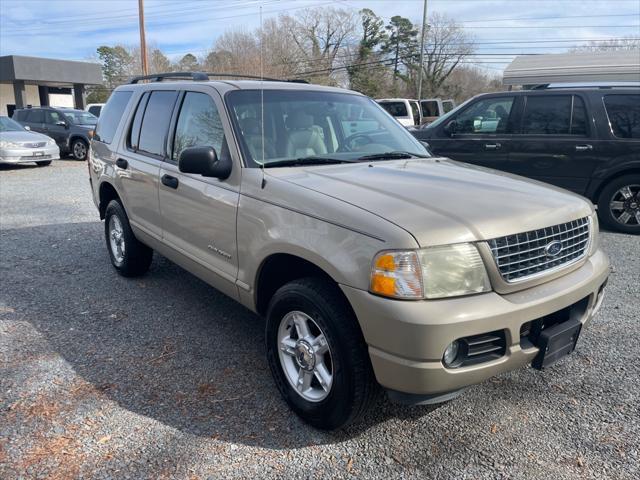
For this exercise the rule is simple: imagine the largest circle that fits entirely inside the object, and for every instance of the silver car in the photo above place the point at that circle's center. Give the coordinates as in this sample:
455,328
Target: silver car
20,145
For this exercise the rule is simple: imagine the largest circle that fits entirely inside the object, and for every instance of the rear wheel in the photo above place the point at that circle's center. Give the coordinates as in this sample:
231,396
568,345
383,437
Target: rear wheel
129,256
317,354
44,163
619,204
79,149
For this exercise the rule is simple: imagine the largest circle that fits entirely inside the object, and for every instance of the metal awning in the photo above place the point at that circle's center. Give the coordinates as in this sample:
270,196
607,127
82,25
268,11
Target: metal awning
588,67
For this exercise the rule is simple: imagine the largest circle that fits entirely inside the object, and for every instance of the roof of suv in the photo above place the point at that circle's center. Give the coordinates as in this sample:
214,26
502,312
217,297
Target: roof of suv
543,91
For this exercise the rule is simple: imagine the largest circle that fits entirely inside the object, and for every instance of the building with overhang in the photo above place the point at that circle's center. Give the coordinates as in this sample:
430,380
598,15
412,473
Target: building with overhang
37,81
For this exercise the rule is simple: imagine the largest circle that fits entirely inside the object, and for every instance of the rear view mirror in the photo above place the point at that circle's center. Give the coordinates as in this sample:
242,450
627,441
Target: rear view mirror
451,127
204,161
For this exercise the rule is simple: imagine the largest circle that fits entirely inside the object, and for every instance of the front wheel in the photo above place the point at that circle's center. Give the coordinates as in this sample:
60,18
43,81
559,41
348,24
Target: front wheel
317,354
619,204
128,255
79,149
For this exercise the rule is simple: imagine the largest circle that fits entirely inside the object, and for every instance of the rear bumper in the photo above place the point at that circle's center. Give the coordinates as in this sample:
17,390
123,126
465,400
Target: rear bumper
407,339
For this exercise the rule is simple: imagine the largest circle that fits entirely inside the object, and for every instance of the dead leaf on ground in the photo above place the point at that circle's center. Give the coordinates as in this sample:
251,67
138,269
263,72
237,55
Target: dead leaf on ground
350,465
580,462
105,439
494,428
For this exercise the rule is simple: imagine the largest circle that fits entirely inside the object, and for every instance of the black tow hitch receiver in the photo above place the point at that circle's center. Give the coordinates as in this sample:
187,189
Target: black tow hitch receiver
555,342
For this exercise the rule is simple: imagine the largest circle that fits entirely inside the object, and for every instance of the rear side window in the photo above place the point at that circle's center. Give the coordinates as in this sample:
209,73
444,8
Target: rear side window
397,109
155,123
624,115
35,116
111,116
547,115
19,115
429,108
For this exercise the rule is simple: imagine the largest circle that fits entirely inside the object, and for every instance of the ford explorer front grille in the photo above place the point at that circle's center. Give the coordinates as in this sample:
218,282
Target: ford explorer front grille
528,254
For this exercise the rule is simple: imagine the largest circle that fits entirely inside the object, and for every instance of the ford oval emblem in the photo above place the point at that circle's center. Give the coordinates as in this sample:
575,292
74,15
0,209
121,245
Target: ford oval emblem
553,249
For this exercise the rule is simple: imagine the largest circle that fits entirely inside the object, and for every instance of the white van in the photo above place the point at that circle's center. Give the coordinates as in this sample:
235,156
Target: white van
432,108
406,111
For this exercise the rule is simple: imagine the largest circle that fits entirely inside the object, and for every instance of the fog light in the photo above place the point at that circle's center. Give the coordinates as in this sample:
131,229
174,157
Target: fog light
451,353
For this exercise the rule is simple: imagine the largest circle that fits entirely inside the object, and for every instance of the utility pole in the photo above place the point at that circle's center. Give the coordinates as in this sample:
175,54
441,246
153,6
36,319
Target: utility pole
143,42
422,35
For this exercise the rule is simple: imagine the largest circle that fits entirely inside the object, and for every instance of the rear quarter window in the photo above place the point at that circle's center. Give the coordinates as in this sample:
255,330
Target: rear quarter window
111,116
624,115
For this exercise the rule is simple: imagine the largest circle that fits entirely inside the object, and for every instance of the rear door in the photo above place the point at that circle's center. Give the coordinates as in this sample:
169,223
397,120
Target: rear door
482,134
51,128
199,213
35,120
555,141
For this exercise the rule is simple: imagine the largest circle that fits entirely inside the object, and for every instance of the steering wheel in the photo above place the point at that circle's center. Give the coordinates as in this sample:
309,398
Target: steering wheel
348,141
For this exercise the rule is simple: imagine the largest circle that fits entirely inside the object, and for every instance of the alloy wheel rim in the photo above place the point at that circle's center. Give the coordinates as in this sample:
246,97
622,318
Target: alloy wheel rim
79,150
116,239
625,205
305,356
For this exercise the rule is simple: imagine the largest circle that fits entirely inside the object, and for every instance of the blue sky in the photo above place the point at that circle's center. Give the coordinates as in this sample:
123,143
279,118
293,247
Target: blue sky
73,29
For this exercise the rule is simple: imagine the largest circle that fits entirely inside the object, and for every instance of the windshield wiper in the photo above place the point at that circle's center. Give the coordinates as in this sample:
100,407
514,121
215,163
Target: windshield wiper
312,160
395,155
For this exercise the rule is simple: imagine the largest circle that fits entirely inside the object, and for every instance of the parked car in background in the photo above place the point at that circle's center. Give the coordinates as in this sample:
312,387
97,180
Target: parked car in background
373,263
433,108
70,128
584,139
406,111
20,145
94,108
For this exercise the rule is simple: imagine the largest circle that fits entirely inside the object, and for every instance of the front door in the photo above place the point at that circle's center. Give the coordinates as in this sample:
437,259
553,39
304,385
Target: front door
482,133
199,213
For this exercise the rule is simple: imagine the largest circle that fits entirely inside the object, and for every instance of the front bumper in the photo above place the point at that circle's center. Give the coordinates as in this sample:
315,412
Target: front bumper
24,154
407,339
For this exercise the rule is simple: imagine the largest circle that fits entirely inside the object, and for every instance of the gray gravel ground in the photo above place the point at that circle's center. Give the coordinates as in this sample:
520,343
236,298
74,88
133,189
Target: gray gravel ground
163,377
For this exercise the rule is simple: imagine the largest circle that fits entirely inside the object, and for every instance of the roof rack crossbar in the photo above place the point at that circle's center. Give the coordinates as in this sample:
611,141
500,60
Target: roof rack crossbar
202,76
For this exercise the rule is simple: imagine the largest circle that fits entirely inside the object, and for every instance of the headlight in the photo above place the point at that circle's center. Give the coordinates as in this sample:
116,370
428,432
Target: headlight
595,234
7,144
51,141
436,272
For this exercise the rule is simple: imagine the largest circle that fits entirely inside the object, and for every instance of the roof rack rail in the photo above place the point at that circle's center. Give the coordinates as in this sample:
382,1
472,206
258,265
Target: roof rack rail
578,85
203,77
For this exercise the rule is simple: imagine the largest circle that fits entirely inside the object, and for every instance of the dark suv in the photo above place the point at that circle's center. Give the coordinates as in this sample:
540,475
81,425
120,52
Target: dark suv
583,139
70,128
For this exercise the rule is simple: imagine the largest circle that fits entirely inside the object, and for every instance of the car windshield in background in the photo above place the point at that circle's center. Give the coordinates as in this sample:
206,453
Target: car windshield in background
8,125
79,117
304,127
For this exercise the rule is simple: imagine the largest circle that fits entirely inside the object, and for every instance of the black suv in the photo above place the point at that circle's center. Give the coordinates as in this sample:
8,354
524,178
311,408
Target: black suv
583,139
71,129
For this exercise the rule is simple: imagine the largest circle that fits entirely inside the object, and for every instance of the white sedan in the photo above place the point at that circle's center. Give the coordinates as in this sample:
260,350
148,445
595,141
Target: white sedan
20,145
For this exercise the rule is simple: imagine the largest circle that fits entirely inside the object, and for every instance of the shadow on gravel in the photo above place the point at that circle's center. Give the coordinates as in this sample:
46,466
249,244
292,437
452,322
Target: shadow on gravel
166,346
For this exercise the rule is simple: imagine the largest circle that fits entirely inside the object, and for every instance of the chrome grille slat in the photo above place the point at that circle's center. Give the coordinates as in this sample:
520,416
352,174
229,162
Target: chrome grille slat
520,256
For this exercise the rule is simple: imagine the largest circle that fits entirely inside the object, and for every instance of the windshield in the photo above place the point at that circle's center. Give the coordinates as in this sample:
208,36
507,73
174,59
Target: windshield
8,125
306,124
80,117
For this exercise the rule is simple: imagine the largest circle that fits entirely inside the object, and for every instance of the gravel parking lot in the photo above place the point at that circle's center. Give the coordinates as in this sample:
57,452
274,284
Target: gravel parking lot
163,377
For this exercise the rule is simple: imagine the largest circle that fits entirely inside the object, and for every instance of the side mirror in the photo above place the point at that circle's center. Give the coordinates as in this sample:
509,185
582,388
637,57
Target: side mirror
204,161
27,127
427,147
450,128
61,123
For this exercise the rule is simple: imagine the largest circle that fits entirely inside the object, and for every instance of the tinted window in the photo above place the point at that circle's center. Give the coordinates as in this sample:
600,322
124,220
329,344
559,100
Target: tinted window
198,125
110,118
429,109
547,115
489,115
95,110
19,115
579,117
397,109
155,123
624,115
447,106
35,116
52,117
134,132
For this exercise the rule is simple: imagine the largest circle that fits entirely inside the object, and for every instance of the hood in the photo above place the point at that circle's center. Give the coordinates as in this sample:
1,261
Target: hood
23,136
441,201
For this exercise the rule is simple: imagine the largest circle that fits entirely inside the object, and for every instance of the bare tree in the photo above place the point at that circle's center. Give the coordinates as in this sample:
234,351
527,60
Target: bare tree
617,44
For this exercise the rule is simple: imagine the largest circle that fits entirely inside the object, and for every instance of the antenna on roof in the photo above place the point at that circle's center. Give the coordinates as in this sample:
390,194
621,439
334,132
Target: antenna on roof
264,180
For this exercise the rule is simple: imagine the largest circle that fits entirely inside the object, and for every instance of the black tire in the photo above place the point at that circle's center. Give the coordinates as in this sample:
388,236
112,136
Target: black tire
136,257
609,218
44,163
79,149
354,386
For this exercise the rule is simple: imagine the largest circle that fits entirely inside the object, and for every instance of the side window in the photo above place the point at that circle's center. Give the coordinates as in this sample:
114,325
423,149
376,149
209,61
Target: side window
95,109
429,108
490,115
547,115
579,117
35,116
198,125
397,109
111,116
19,115
416,112
52,117
155,123
624,115
134,132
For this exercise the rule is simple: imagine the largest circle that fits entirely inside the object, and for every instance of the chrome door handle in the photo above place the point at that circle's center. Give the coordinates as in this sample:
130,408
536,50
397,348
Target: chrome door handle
583,148
492,146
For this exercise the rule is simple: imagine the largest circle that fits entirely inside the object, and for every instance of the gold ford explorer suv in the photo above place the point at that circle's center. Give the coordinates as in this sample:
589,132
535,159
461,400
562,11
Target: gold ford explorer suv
373,263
